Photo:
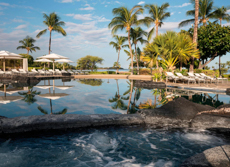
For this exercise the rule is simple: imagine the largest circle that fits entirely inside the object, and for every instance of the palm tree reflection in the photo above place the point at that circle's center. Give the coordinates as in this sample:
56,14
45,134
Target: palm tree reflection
29,97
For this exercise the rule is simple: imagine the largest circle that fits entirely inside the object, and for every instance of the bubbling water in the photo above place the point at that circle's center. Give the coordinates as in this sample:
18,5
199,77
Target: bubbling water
126,147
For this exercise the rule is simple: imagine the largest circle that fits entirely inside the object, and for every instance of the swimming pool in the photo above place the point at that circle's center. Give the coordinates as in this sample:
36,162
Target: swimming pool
90,96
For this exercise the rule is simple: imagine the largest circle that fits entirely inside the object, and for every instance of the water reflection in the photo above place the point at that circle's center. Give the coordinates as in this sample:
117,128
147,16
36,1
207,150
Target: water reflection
7,89
92,82
53,96
29,97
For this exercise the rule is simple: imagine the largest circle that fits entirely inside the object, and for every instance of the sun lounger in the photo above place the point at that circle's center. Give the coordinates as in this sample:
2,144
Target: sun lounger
63,71
184,78
2,72
71,72
53,72
171,76
14,71
41,72
57,71
205,77
191,75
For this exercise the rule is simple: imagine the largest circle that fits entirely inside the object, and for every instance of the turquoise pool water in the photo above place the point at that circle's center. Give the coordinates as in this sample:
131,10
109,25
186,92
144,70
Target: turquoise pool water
114,147
89,96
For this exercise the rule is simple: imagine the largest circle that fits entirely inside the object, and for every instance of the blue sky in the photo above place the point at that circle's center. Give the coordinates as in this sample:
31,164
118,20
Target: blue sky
86,25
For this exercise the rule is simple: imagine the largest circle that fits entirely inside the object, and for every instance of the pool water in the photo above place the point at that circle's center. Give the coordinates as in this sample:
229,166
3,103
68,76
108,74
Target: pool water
116,147
90,96
103,147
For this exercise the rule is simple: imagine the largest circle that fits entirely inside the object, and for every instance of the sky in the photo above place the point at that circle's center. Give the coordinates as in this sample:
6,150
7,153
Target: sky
86,26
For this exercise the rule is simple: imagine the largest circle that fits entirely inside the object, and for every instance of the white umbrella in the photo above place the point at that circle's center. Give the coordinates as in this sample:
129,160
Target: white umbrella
53,96
63,61
8,55
53,56
43,60
44,86
8,99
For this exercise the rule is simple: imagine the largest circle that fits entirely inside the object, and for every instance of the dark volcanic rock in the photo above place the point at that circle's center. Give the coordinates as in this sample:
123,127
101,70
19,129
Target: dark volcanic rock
211,121
149,84
224,106
214,157
176,114
57,122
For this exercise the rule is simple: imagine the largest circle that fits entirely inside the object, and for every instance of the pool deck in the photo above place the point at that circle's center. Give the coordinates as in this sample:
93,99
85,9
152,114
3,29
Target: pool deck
113,76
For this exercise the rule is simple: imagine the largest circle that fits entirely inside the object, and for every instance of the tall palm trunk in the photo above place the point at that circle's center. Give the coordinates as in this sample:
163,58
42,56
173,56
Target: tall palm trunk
157,64
131,54
156,30
49,48
219,65
118,94
118,59
137,59
191,69
27,52
130,96
220,57
180,65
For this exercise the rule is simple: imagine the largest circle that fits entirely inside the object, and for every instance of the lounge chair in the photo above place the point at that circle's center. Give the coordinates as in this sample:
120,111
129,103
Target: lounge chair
8,72
14,71
52,71
71,72
41,72
205,77
191,75
171,76
184,78
2,72
57,71
34,71
63,71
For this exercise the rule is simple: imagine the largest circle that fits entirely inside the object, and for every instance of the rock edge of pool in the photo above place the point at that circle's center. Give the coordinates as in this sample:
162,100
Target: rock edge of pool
179,113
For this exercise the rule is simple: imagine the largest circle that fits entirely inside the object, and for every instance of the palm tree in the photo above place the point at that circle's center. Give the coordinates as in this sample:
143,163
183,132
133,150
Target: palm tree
221,14
205,12
27,43
150,59
137,35
54,24
126,18
157,15
186,49
29,97
118,45
195,34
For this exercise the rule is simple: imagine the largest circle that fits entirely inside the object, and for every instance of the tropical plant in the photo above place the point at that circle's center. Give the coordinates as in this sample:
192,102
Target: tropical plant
137,35
118,45
29,97
92,82
157,15
147,105
221,14
205,12
89,62
150,59
28,44
54,24
125,18
213,41
186,49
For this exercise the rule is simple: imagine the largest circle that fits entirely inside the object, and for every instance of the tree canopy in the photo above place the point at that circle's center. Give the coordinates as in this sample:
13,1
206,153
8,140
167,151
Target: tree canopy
89,62
213,41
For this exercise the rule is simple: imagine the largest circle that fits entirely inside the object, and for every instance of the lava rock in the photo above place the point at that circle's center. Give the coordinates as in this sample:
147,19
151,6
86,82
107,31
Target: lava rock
214,157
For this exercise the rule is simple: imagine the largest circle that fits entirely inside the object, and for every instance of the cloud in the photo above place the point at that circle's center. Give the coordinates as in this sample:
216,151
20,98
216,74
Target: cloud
118,2
88,7
183,5
88,17
83,17
172,13
66,1
179,12
4,4
169,26
228,11
142,2
20,26
18,20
